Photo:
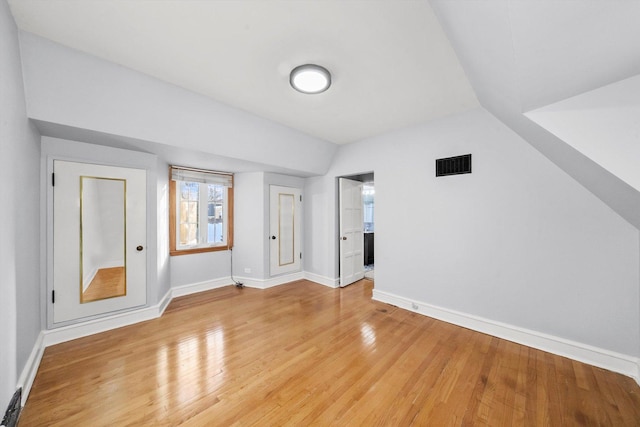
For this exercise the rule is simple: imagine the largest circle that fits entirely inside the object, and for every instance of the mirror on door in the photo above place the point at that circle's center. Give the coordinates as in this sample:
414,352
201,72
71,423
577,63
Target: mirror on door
102,238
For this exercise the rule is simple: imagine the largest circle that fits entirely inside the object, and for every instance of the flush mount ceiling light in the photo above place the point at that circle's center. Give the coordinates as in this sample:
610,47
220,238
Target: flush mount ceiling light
310,78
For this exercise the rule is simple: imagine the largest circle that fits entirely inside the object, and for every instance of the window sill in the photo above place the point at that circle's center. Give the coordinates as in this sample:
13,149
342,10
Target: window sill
198,250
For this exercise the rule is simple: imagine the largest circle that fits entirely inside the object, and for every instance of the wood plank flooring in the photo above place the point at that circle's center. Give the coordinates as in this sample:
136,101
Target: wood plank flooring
302,354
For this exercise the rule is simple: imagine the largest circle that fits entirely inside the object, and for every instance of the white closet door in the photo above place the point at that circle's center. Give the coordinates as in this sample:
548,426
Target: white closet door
284,217
99,226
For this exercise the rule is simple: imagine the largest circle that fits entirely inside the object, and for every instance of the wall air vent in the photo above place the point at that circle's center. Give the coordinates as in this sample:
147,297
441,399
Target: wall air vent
453,165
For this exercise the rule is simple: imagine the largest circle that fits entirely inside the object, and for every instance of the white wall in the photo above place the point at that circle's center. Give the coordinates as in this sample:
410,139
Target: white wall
204,267
517,241
83,94
162,226
20,321
247,240
249,227
251,248
496,51
603,124
319,226
250,240
70,88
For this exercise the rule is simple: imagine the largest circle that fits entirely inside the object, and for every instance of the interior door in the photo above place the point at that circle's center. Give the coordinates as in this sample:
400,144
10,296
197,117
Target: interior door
99,239
284,217
351,232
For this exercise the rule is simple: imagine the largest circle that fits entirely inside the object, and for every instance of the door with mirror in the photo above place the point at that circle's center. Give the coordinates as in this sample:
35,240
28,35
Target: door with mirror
285,213
99,238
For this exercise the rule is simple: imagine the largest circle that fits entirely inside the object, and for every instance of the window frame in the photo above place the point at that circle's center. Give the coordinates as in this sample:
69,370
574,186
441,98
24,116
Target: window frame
173,249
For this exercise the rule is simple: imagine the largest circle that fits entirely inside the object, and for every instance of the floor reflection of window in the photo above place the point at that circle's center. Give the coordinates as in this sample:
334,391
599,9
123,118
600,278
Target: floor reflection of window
215,359
189,366
162,377
368,335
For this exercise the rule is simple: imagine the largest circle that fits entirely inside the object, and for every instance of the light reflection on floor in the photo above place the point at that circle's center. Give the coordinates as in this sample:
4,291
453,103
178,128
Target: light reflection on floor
368,335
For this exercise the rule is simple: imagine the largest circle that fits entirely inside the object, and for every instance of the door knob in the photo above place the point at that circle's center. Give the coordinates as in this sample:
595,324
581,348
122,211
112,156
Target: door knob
139,248
273,237
344,238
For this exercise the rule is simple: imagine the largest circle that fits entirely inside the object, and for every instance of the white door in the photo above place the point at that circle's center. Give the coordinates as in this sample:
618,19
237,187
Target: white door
99,240
351,232
284,238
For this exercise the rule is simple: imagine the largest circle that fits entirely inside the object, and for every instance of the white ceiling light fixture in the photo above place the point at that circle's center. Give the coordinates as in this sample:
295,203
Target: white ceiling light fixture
310,79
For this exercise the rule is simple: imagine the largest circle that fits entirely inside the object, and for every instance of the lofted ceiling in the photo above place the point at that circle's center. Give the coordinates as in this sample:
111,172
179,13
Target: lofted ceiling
391,63
564,48
394,63
523,55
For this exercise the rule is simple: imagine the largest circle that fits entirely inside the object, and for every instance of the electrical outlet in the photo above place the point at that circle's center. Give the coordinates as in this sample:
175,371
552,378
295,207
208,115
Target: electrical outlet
247,270
414,306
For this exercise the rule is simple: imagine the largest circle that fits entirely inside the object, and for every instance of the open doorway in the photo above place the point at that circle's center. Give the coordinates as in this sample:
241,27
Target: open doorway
368,203
357,228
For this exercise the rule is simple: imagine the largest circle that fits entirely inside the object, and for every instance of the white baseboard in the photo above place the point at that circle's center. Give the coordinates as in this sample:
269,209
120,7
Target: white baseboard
323,280
95,326
30,370
164,302
616,362
271,282
179,291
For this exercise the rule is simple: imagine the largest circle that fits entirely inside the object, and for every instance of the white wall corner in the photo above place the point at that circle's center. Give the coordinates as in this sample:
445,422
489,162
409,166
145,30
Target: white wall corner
616,362
164,301
323,280
30,370
271,282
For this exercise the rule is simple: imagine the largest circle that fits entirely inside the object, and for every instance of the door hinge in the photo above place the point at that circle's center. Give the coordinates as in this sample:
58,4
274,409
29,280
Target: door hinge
301,197
300,255
53,297
53,179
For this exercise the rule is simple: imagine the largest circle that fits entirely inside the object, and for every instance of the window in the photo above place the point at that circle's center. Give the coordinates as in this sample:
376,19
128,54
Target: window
201,210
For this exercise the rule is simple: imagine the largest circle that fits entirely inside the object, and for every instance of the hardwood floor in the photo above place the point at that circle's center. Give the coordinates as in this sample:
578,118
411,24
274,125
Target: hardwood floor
302,354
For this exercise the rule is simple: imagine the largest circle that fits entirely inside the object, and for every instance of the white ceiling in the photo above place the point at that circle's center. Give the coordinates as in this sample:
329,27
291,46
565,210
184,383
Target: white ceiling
391,63
532,53
564,48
